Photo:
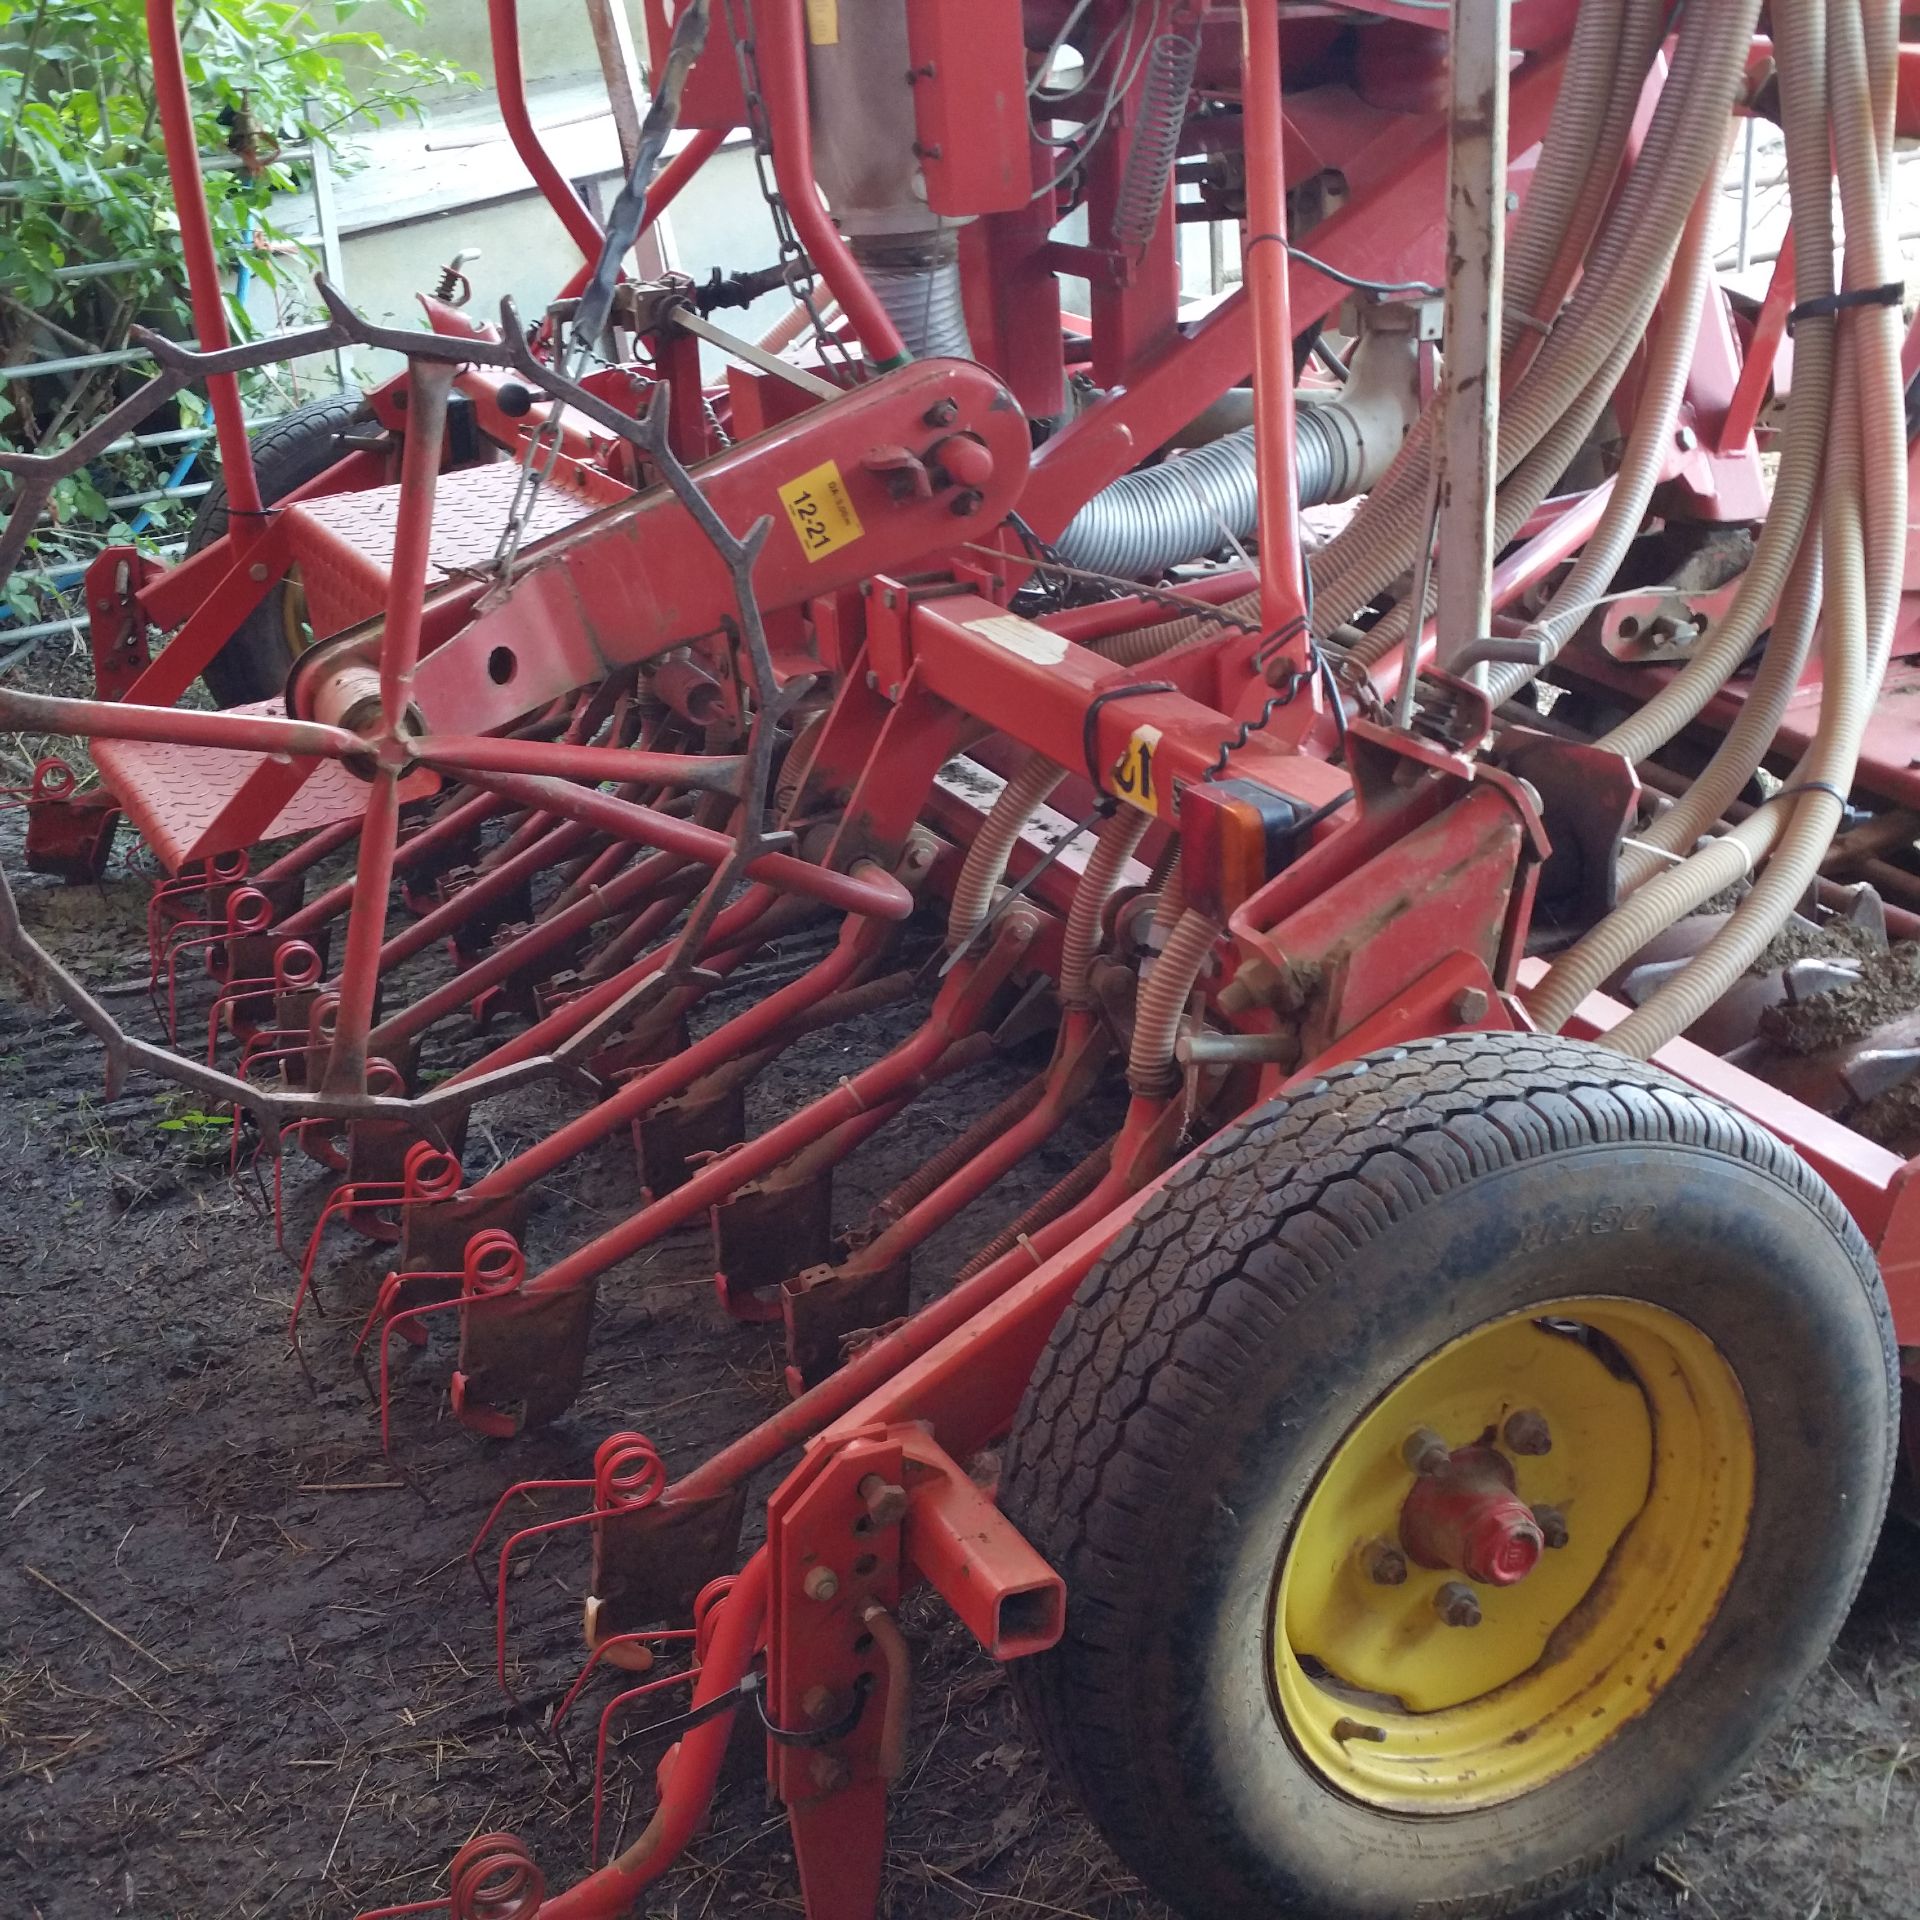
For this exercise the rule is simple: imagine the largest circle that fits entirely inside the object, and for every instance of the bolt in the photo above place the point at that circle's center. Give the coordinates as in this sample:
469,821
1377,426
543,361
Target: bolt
1552,1524
1457,1605
822,1584
830,1772
1385,1564
1686,439
967,501
1468,1005
1526,1432
943,413
258,571
817,1703
1345,1729
886,1503
1425,1452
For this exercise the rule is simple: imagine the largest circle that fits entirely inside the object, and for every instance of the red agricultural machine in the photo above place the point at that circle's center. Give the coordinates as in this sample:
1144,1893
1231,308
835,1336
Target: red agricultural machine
1469,1376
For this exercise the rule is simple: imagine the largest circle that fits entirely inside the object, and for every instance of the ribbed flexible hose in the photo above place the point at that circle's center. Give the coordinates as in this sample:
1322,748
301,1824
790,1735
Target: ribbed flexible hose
1192,502
1627,267
1655,414
1746,743
1018,801
1595,82
1803,447
1119,840
917,280
1152,1072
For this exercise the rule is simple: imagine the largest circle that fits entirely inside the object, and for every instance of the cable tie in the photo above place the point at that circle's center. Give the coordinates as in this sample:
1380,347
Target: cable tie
1893,294
1808,786
1659,853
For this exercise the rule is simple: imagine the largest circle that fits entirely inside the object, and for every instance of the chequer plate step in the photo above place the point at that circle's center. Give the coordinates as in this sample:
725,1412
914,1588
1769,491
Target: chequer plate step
189,802
342,543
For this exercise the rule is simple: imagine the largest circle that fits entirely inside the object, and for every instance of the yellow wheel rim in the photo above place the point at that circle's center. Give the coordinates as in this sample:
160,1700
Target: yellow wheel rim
1650,1464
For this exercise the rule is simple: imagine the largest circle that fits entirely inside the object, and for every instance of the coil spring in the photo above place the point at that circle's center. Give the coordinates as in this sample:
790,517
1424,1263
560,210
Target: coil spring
628,1472
1156,138
494,1878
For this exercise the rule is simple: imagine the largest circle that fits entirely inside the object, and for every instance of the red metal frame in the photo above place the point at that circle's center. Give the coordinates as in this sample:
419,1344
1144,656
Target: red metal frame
844,580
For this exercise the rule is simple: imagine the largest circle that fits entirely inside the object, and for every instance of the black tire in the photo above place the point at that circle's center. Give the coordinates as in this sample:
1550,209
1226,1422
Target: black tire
1305,1261
288,452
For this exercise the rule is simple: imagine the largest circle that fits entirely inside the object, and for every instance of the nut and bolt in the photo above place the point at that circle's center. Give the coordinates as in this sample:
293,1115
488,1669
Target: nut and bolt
830,1772
821,1584
967,501
1345,1729
943,413
1425,1452
1385,1565
818,1703
1457,1604
258,571
1468,1005
1552,1524
885,1502
1527,1432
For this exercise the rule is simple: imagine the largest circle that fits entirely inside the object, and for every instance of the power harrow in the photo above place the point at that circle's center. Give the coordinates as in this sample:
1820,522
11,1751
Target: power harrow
1420,731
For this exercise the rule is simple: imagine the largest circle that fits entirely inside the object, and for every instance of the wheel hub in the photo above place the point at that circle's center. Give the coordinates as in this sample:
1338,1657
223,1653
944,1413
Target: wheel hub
1467,1516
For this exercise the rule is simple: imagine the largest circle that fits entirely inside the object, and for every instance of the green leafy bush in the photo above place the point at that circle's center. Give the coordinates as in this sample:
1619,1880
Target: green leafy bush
83,181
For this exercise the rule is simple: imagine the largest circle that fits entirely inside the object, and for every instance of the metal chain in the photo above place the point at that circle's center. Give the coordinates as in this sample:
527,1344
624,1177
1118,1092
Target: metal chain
793,258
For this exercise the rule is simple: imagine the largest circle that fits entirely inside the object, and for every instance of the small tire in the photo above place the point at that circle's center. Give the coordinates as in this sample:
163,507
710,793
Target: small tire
1300,1270
288,452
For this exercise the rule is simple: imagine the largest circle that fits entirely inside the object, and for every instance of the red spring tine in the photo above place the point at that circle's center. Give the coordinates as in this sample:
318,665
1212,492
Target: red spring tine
627,1475
494,1266
607,1713
604,1650
222,867
353,1196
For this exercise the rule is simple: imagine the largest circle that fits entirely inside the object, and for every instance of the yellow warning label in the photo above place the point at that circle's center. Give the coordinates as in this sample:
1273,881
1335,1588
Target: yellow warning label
1133,777
822,514
823,22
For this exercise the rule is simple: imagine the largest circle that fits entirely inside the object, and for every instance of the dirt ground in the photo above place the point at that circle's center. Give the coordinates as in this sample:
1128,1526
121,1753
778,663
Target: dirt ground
246,1670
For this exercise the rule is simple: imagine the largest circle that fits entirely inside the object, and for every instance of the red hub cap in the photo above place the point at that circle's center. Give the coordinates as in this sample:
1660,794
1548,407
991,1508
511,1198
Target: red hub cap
1468,1517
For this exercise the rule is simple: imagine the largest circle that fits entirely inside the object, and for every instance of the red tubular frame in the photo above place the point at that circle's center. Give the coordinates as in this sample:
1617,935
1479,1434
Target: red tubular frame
510,81
203,268
783,72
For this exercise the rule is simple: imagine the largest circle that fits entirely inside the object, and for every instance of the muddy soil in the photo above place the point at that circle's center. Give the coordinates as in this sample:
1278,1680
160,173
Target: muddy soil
246,1670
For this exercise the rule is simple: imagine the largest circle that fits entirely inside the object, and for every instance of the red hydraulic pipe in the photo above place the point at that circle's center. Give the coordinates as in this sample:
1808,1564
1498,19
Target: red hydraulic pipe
954,1018
688,1780
1265,269
552,933
729,924
208,298
876,892
176,726
783,72
510,84
450,826
740,1035
714,773
871,1369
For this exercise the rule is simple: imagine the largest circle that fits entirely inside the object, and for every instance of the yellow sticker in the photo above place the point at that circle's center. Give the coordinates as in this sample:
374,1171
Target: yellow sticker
823,22
1133,777
822,513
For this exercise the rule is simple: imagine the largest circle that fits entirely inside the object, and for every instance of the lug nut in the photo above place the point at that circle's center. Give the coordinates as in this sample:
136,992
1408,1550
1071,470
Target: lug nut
821,1584
1425,1452
1552,1524
1457,1604
1526,1432
1385,1564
